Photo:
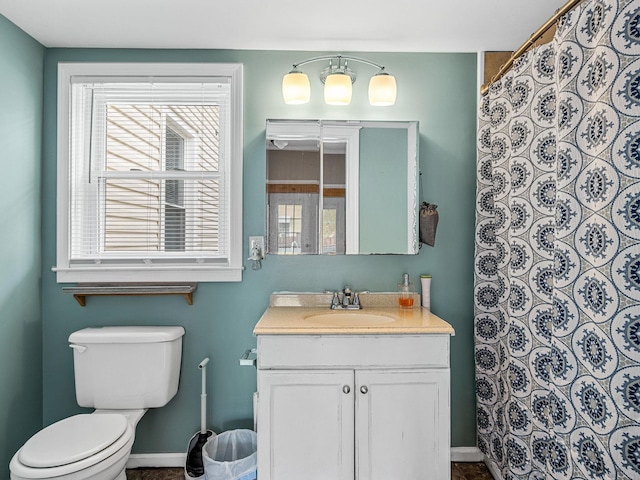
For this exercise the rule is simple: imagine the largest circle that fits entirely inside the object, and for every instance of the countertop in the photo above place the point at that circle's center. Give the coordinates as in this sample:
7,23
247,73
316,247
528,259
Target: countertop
294,320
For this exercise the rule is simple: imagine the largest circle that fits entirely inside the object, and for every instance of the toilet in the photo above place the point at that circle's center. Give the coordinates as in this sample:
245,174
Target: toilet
120,372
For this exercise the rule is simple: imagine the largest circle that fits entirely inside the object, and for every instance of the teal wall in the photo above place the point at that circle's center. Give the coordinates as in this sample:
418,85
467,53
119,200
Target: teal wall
438,90
21,69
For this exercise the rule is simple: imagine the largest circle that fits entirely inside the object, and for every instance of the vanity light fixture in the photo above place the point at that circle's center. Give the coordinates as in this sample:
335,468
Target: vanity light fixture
338,79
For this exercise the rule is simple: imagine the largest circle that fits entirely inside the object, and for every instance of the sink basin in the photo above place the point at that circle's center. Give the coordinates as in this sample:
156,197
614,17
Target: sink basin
353,319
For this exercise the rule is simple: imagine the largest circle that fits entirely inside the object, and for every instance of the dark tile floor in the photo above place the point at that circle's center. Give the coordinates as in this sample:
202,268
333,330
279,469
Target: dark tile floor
470,471
459,471
155,474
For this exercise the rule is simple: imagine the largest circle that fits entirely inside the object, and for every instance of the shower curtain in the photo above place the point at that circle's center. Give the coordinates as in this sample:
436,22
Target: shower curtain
557,264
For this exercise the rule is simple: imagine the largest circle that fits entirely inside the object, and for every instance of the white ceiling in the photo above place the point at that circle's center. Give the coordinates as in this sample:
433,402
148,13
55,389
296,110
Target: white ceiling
327,25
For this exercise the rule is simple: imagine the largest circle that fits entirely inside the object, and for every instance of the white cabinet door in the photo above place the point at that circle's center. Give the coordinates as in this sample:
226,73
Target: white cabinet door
305,425
402,424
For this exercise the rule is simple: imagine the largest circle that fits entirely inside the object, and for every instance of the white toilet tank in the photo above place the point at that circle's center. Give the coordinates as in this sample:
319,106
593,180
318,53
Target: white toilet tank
126,367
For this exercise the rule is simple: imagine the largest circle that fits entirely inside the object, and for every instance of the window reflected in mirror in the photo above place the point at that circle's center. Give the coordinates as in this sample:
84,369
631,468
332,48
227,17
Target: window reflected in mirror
289,228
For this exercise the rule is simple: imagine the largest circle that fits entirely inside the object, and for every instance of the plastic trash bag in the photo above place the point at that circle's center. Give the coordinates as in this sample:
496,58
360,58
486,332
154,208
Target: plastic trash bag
231,455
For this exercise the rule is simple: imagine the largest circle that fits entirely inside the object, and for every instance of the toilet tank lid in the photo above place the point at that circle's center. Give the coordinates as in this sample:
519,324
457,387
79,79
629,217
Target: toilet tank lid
126,334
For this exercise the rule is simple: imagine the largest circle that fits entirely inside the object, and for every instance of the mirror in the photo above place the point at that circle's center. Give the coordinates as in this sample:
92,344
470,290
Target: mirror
342,187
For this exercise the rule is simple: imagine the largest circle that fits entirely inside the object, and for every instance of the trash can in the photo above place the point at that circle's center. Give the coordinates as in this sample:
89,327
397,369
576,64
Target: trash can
231,455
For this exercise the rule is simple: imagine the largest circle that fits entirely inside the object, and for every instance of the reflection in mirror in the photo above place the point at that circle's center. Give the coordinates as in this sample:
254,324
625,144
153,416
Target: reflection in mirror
336,187
293,188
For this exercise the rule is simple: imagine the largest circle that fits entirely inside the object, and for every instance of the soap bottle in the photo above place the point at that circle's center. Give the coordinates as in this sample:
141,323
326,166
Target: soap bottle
405,292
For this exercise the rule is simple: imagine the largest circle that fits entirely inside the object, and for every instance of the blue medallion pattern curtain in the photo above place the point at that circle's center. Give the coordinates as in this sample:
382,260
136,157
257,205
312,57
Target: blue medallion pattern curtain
557,264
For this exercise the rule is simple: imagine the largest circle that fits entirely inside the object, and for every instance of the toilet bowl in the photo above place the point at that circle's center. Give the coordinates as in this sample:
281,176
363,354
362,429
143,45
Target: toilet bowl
120,372
82,447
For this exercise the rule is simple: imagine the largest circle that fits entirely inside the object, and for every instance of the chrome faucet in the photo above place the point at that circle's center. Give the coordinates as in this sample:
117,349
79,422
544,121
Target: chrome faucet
350,300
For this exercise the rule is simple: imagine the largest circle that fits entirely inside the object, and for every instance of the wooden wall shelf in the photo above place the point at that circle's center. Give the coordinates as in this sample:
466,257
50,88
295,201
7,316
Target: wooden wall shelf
83,290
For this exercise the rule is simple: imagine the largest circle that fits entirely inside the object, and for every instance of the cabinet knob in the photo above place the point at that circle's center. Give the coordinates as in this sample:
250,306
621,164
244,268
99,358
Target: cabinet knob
364,389
346,389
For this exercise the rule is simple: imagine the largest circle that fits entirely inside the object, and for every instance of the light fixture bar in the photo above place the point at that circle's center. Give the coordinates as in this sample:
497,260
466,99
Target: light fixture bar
338,57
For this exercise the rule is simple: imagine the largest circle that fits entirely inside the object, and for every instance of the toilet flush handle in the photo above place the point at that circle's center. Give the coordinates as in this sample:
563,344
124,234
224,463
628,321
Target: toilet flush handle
78,348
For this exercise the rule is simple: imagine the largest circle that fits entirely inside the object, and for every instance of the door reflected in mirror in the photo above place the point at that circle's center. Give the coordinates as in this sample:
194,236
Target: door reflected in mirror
341,187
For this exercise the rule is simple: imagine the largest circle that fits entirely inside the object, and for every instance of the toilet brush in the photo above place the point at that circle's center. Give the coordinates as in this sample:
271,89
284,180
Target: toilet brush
195,466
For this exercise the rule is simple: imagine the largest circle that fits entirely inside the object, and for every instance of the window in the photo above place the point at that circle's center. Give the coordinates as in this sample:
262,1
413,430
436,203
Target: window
149,172
289,229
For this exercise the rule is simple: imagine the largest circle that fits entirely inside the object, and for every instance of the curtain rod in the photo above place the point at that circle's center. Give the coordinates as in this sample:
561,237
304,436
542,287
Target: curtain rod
567,7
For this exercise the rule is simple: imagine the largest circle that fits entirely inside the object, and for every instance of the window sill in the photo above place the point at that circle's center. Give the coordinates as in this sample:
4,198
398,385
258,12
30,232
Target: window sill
154,274
82,291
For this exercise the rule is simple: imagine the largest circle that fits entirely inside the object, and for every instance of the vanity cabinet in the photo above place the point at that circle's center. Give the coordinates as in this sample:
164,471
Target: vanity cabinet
345,407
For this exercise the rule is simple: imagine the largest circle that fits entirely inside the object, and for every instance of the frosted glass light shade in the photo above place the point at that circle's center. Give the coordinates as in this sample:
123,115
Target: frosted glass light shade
382,90
296,88
337,89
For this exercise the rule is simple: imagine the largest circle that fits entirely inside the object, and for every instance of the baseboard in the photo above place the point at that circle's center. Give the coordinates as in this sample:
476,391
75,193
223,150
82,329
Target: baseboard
166,460
466,454
156,460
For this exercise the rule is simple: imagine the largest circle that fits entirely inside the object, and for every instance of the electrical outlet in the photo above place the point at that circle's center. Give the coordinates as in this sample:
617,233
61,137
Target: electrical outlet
257,242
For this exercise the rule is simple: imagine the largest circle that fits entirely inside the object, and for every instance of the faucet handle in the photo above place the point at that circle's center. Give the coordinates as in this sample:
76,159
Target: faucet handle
356,299
335,301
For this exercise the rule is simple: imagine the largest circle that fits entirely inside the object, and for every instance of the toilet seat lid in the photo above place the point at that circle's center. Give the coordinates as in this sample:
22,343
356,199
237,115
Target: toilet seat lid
72,439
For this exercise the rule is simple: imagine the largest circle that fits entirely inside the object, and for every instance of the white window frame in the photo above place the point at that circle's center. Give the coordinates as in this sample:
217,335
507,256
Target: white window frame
228,271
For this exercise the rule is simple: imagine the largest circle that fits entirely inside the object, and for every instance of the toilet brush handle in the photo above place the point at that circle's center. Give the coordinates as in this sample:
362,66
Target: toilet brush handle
203,413
203,396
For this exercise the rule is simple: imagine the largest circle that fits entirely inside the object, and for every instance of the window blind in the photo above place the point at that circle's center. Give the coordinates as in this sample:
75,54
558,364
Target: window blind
149,172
